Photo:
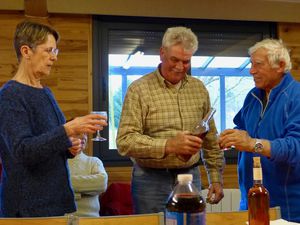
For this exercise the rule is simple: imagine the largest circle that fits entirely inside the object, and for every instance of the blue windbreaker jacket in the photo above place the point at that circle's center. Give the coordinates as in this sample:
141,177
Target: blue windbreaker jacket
279,123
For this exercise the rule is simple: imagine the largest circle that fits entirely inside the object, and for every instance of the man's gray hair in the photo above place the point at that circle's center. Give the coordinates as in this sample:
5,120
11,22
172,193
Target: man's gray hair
180,35
277,52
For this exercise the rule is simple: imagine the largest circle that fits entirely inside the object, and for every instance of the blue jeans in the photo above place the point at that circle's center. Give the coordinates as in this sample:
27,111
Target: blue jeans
151,188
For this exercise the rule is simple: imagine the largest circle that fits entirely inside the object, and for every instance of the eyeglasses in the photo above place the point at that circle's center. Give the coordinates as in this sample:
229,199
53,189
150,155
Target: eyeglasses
50,50
53,51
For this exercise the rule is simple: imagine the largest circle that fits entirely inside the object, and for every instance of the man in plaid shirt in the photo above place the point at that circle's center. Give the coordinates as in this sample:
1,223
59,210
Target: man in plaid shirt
159,111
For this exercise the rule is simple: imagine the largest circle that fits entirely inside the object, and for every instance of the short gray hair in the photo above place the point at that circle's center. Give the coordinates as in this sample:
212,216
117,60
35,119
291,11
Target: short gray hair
180,35
277,52
31,33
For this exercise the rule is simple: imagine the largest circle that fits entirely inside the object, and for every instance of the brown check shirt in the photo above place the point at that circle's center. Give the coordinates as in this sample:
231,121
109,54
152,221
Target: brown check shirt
154,111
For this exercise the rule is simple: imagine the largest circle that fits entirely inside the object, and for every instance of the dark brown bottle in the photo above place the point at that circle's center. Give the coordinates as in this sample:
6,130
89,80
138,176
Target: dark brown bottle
185,204
258,198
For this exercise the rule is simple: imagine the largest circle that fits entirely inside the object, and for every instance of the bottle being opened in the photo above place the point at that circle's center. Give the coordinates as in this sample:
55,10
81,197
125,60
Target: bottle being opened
258,198
185,205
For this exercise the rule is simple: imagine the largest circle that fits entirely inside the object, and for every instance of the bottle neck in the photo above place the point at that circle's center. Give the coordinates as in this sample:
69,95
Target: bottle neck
186,187
209,115
257,182
257,175
184,182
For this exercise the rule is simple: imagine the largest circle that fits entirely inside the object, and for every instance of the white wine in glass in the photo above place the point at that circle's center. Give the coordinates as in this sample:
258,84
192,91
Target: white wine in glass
98,135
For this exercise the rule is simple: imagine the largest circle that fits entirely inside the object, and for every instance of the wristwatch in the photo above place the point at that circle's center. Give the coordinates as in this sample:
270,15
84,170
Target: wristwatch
258,147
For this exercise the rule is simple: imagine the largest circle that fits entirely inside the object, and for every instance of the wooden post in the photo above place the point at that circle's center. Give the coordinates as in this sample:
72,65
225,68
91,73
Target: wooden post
36,8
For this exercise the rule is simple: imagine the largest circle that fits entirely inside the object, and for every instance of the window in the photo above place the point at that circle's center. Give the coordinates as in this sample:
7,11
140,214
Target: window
126,48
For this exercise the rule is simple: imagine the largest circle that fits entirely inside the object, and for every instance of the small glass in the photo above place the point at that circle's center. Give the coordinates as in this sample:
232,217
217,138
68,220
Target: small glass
98,135
232,147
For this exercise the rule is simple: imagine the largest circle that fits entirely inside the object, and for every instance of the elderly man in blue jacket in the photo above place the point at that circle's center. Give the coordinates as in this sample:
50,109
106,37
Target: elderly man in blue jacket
268,125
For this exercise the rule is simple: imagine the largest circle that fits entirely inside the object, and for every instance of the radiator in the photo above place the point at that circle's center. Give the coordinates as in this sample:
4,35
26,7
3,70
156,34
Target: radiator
229,203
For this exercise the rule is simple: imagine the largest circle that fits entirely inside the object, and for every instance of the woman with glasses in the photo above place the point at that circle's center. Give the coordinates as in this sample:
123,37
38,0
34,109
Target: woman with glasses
35,140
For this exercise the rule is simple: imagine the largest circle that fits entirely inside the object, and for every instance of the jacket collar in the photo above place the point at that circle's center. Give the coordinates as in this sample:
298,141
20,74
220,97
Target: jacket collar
286,80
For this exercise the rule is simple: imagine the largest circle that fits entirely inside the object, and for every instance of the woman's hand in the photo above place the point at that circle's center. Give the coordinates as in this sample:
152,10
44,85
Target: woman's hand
88,124
76,146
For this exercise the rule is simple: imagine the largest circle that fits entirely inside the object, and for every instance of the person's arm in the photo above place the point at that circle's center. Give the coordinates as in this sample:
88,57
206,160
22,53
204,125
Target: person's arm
212,156
242,141
214,162
130,139
28,147
213,159
286,148
275,147
87,124
94,183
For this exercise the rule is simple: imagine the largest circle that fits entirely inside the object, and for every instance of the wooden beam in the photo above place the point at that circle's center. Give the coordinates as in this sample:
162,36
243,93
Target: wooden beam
36,8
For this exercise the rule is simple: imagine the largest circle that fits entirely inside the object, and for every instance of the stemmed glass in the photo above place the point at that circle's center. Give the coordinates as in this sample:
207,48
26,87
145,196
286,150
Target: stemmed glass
98,135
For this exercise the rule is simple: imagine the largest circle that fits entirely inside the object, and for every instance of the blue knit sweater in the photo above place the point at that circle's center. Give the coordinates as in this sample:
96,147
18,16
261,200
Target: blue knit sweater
34,152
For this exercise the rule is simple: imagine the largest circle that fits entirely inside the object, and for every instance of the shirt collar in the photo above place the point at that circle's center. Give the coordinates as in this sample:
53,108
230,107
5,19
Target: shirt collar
166,84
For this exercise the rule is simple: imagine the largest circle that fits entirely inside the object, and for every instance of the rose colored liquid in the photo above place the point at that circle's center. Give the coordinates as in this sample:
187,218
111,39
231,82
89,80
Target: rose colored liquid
258,205
202,135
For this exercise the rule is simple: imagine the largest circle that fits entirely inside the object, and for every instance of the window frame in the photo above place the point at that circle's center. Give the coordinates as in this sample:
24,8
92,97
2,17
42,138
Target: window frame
101,26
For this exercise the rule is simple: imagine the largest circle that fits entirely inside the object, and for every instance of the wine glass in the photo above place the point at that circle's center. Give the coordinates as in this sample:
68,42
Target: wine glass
98,135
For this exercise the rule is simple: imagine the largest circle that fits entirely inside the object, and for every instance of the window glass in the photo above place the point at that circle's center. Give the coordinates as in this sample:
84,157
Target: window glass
125,50
235,92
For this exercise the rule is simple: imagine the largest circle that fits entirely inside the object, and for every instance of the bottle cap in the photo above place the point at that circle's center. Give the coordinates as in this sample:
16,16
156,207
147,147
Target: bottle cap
184,178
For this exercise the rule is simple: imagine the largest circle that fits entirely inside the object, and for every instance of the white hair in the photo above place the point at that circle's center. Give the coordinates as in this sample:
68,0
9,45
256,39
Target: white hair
180,35
276,52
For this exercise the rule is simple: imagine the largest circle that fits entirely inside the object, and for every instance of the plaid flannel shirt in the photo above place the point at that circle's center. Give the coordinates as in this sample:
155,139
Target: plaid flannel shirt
154,111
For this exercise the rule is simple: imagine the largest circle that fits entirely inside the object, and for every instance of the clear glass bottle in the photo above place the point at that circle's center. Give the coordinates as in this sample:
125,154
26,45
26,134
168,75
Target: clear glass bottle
185,205
200,130
203,126
258,198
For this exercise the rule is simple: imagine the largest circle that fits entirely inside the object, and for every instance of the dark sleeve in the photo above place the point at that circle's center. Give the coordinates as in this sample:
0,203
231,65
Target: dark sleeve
24,146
